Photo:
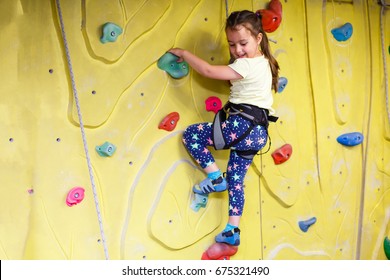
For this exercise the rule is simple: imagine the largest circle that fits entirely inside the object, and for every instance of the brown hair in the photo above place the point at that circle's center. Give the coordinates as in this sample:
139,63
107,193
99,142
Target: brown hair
252,21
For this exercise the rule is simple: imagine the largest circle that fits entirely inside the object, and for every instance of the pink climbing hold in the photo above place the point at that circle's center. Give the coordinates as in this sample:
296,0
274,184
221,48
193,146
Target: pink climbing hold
214,104
282,154
75,196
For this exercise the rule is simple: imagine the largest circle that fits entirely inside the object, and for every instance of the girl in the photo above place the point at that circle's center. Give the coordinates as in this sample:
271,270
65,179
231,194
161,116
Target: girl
253,75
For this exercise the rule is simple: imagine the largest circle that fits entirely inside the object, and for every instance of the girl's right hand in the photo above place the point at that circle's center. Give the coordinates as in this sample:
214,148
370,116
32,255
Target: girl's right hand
178,52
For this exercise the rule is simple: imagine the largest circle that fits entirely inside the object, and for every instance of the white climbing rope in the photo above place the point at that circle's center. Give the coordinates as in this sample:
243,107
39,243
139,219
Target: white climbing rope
383,7
103,239
227,8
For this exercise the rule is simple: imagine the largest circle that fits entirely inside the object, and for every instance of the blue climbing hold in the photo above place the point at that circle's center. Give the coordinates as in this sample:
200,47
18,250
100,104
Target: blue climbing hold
350,139
106,150
282,83
111,31
304,225
343,33
200,200
168,63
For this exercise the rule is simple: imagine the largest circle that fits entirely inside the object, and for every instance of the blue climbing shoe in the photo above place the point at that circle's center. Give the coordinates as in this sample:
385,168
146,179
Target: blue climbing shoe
208,186
231,237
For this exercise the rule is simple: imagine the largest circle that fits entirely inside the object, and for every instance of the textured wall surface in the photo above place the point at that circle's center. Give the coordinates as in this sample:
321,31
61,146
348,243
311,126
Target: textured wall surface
143,190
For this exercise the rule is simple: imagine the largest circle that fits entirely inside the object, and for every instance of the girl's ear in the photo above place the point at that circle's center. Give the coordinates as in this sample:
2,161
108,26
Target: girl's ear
259,38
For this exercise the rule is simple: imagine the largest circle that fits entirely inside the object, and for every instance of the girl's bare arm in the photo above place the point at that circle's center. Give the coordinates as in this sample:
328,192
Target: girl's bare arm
218,72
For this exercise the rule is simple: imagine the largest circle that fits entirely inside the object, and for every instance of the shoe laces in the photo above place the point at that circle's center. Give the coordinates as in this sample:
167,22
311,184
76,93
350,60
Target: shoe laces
217,181
230,233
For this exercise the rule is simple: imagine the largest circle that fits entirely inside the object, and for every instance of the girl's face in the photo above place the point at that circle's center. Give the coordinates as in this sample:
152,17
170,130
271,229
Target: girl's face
242,43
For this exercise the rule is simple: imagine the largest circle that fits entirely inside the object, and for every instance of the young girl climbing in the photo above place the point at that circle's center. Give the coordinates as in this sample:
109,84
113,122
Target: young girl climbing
242,124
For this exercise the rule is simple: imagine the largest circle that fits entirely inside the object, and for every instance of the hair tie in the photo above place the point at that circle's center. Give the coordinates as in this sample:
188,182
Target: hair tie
258,14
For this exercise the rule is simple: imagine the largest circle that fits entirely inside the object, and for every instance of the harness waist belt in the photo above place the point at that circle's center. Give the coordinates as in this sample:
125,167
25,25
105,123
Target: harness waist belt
257,116
250,112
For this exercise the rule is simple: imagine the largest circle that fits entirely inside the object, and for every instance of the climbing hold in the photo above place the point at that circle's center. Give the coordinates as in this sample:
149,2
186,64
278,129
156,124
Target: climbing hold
275,6
282,154
110,32
282,83
386,247
271,17
219,251
213,103
169,122
304,225
343,33
75,196
168,63
200,200
350,139
270,20
106,150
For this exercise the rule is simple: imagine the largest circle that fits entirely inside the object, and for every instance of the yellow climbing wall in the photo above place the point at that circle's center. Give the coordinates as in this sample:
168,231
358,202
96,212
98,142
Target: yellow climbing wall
144,189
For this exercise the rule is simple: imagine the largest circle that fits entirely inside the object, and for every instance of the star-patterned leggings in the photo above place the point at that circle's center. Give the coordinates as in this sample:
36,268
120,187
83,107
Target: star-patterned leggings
198,137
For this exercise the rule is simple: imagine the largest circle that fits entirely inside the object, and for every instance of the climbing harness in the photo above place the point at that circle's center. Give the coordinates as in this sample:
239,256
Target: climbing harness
82,128
256,116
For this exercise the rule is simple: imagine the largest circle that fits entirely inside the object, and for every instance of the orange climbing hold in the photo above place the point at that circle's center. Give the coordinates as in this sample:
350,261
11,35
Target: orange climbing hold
282,154
219,251
271,17
169,122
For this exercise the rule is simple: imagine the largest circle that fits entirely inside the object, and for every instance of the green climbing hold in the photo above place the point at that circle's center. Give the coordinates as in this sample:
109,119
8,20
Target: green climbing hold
386,247
106,150
200,200
111,31
168,63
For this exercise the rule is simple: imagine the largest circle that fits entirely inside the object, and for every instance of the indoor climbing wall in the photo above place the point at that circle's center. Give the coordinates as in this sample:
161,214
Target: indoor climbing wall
93,109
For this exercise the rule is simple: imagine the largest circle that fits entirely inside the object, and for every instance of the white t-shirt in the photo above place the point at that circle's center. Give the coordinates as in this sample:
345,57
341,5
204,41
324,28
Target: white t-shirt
255,87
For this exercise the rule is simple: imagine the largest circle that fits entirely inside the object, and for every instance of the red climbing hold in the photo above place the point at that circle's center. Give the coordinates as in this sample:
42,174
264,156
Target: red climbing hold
282,154
213,103
75,196
169,122
219,251
271,17
275,6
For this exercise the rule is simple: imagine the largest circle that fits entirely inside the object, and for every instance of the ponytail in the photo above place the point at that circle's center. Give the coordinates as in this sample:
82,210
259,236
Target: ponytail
273,63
